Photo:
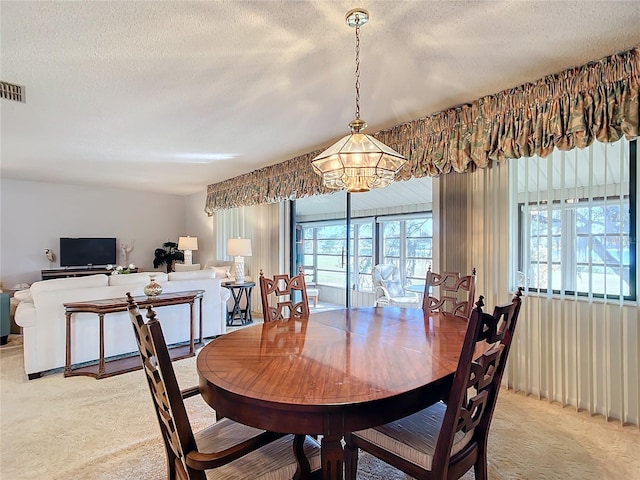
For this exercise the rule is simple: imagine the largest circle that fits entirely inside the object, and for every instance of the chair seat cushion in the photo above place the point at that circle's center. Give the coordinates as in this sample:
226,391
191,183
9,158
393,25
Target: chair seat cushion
274,461
414,437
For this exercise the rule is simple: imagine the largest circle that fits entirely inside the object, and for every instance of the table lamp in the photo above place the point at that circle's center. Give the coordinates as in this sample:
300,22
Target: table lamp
239,248
187,245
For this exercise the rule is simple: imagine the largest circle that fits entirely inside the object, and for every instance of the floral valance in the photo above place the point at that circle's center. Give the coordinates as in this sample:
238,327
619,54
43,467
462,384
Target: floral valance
596,101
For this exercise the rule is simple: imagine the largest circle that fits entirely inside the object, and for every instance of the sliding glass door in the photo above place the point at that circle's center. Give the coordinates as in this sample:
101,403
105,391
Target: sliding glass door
320,226
340,237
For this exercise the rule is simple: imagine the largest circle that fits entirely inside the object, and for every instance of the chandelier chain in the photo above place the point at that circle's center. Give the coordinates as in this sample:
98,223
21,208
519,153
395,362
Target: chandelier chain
357,162
357,67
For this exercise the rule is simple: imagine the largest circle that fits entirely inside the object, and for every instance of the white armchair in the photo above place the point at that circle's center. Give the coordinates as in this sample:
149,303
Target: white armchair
388,289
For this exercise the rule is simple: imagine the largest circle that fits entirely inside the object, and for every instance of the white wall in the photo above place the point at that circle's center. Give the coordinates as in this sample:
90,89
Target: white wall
35,215
199,225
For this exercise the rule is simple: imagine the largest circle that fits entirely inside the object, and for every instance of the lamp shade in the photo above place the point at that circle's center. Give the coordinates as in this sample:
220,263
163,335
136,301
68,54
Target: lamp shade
239,247
188,243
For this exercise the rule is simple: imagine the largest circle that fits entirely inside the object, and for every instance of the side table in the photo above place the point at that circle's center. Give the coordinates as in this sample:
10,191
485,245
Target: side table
108,368
238,290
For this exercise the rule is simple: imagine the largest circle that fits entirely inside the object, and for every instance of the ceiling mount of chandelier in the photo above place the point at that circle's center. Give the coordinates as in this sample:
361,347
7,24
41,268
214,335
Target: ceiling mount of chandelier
358,162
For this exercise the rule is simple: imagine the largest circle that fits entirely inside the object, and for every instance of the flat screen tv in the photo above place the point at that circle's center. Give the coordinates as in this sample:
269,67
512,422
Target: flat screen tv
81,252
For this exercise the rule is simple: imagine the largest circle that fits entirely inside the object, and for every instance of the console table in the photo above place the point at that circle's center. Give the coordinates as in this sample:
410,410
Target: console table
75,272
239,313
110,305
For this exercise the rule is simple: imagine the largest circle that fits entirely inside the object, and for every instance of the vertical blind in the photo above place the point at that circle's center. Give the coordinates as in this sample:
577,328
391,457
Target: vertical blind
571,235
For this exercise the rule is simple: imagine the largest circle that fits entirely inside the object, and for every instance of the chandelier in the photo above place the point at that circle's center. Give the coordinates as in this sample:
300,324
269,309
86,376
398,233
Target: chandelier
357,162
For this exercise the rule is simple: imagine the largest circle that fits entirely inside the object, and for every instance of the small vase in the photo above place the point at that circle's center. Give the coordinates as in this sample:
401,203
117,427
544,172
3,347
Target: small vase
153,289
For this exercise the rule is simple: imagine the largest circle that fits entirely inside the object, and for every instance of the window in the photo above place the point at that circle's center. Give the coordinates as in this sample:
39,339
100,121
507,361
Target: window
320,236
362,257
325,249
408,244
576,218
406,241
330,250
308,257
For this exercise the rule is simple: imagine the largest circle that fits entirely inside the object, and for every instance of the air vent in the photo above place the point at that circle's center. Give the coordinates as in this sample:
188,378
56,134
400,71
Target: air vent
13,92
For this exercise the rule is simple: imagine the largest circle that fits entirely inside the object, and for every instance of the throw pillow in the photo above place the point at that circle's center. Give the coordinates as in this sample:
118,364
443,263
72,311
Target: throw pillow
195,275
23,296
221,272
181,267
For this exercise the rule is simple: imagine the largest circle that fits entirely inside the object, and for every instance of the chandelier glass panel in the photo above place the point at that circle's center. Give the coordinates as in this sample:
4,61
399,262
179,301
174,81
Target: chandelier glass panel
358,162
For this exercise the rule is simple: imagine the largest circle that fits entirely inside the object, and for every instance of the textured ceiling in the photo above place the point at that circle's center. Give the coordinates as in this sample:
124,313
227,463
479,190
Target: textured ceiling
172,96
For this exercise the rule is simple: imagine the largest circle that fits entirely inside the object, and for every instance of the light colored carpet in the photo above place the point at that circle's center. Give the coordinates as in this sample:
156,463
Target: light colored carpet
57,428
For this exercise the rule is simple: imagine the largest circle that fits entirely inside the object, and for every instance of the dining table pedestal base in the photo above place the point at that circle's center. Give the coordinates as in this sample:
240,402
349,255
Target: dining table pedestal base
332,457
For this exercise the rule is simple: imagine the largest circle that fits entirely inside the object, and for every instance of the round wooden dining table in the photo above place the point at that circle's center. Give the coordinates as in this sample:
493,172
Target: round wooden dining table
337,372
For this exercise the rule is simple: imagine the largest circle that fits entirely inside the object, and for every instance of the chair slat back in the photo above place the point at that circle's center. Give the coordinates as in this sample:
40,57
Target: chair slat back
499,329
165,391
284,286
477,380
455,293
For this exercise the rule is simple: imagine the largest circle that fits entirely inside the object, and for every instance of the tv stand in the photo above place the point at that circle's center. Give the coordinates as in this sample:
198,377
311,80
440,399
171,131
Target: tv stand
65,272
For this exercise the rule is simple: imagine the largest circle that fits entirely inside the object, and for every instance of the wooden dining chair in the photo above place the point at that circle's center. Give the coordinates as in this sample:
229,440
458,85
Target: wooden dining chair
445,440
284,288
455,293
226,449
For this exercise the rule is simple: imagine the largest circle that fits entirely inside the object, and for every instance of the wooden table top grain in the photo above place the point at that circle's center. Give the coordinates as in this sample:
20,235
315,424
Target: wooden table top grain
337,372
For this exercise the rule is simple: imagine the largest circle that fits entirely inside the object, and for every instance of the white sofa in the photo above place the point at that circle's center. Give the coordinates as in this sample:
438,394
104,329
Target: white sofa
42,316
181,267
